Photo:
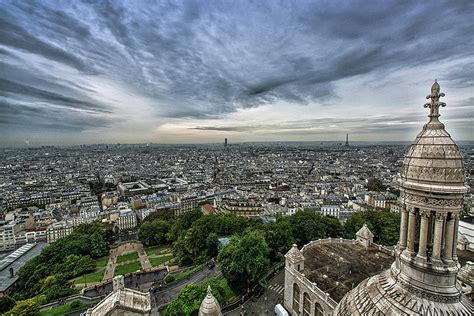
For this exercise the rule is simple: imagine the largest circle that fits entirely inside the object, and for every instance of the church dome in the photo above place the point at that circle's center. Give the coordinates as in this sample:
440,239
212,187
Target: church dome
383,295
209,305
433,162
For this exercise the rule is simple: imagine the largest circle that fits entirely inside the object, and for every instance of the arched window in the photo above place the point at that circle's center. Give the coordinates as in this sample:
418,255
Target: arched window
306,304
318,310
296,298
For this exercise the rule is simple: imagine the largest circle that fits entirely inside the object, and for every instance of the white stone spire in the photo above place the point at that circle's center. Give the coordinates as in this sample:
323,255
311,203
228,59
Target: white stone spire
209,305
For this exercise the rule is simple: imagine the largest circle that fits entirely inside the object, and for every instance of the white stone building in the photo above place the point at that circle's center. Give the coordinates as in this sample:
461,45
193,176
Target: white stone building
7,237
58,230
127,219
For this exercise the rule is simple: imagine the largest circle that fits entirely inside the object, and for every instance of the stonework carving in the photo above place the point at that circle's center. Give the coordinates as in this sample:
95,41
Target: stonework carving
425,213
428,201
440,216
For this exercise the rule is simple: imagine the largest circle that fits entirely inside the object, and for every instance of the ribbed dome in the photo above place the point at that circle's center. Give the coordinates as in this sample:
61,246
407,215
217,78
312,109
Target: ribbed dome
210,306
433,162
382,295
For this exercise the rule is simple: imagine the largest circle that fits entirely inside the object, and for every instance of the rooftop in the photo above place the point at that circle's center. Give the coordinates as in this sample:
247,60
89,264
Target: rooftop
348,264
16,260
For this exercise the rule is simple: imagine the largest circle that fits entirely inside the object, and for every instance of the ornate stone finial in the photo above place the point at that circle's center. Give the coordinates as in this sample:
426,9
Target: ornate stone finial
209,290
434,104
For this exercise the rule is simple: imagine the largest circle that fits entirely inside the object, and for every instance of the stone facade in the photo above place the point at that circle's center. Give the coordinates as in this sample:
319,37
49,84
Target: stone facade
122,302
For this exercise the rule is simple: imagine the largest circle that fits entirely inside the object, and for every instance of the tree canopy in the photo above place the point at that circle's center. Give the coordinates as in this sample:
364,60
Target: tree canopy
66,258
245,259
190,297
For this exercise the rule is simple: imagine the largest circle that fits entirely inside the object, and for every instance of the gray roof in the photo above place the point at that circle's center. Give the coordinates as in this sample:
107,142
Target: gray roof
16,260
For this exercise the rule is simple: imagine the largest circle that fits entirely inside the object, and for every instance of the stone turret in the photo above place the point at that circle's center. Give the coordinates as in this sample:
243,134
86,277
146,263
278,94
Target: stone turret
365,236
295,259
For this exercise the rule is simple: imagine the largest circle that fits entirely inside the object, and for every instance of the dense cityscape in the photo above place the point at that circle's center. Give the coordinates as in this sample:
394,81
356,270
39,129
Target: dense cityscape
138,193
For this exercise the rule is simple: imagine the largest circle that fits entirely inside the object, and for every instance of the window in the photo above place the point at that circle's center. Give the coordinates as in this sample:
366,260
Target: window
318,310
306,304
296,298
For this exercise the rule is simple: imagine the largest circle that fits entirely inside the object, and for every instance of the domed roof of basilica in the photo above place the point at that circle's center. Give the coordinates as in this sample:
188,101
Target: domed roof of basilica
383,295
433,162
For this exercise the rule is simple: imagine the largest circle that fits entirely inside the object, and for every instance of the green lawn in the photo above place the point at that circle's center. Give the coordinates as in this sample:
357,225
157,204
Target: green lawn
91,277
157,261
156,250
63,309
101,262
127,268
128,257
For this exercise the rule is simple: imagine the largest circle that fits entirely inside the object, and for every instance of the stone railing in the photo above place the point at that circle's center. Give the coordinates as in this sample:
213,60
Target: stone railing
388,250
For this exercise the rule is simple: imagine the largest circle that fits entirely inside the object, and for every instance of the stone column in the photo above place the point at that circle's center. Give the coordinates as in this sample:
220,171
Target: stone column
424,214
411,231
448,245
438,235
455,236
403,228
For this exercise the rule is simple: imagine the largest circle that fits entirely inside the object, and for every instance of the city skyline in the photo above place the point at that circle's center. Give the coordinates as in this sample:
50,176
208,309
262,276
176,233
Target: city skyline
196,72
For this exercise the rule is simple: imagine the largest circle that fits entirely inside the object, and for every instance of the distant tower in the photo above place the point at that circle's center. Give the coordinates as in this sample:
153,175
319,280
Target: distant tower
347,140
225,142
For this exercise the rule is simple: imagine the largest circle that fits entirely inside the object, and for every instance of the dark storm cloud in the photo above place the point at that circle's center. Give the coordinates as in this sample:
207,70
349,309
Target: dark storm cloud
15,36
205,59
12,89
18,116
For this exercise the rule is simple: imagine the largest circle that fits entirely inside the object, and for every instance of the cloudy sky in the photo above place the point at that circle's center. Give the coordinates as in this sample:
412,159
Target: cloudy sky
199,71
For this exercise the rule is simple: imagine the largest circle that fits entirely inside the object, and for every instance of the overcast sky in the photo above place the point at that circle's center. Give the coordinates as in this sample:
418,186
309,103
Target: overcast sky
199,71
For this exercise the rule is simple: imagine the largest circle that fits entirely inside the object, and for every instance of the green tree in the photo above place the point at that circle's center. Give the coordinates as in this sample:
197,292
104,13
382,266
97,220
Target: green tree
384,225
164,214
180,225
212,243
244,260
190,297
306,226
6,303
279,238
374,184
27,307
334,227
86,240
154,232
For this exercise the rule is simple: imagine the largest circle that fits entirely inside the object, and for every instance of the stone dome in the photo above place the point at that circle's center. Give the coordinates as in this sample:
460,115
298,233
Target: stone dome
383,295
209,305
433,162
